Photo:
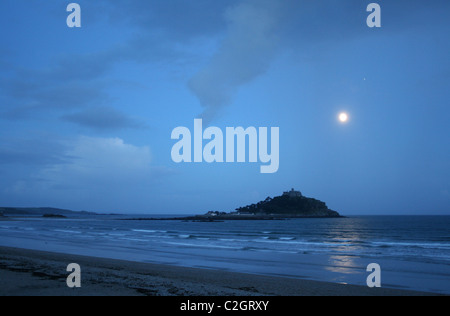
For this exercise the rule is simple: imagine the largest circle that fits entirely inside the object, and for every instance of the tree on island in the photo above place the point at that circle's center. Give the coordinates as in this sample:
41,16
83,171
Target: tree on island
291,203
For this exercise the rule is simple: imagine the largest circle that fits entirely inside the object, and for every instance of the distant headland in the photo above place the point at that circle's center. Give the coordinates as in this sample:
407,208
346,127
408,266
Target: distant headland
46,212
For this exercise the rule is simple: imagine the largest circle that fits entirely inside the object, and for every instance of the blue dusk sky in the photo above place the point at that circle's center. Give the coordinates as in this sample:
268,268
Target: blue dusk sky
86,114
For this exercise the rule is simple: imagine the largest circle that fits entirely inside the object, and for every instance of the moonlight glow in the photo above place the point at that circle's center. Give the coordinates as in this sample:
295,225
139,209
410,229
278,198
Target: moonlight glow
343,117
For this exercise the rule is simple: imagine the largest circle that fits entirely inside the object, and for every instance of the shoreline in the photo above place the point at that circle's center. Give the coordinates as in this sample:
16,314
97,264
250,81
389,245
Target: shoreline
26,272
222,218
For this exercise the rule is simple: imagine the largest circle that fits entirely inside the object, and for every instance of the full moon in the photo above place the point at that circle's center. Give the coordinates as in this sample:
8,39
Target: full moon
343,117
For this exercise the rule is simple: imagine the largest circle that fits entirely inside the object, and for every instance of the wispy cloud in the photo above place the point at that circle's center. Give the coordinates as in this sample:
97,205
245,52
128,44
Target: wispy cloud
103,118
245,53
30,92
39,150
175,20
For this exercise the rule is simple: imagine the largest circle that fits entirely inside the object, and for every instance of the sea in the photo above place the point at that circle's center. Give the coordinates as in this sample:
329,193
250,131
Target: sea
413,252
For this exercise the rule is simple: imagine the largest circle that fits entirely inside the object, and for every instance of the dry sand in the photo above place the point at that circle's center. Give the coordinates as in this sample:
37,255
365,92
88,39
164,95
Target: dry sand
36,273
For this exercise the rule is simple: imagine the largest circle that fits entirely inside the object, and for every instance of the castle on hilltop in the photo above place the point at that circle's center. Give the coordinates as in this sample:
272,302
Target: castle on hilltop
293,193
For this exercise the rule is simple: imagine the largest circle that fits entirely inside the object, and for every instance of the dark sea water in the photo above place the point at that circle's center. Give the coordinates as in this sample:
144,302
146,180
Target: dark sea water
412,251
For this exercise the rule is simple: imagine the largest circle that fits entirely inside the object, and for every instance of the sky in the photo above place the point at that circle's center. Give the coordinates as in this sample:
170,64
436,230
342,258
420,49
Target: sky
86,114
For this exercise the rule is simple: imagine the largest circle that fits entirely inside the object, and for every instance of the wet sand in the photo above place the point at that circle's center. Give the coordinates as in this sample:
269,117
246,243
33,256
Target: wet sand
37,273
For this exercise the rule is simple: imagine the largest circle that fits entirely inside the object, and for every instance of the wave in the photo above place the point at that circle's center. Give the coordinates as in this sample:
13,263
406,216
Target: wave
148,231
133,239
143,231
392,244
203,245
67,231
287,238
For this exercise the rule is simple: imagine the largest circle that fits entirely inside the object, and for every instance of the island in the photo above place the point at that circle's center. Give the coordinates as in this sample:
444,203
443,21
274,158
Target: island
291,204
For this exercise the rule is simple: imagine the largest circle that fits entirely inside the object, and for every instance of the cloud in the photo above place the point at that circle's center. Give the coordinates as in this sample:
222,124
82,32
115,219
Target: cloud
246,52
175,20
96,172
103,118
96,159
80,80
35,92
31,151
166,31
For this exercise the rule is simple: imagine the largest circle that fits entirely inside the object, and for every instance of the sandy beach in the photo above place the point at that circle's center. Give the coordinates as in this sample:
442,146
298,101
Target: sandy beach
37,273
